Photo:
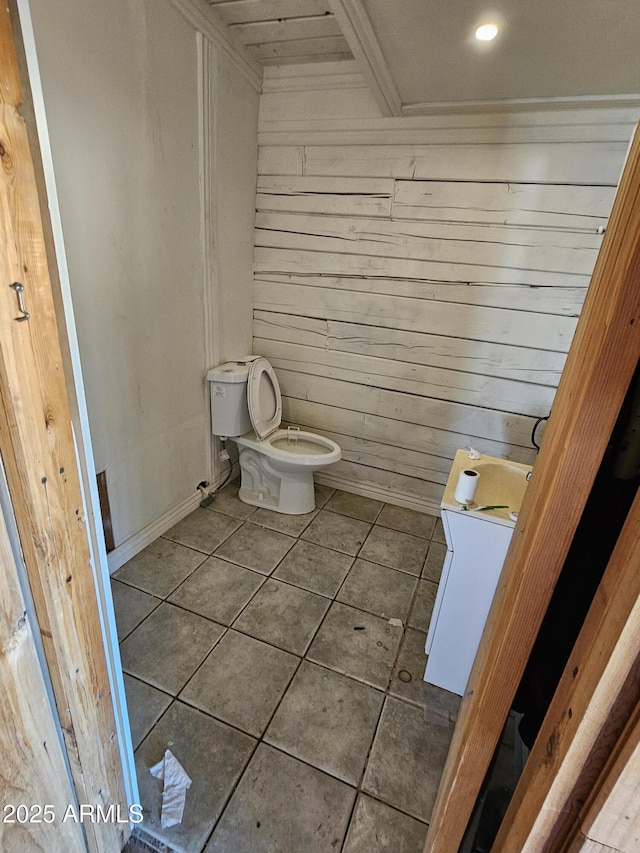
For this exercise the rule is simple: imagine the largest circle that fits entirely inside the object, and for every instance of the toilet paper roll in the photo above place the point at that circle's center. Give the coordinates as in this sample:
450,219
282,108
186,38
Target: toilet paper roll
466,486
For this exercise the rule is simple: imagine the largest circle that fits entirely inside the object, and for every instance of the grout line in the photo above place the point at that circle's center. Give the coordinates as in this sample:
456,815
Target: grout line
301,658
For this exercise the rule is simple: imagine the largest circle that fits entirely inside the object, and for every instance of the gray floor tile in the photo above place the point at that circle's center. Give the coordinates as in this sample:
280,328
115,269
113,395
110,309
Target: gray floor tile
435,560
203,530
241,682
442,705
228,502
355,506
283,615
292,525
438,533
337,531
377,828
160,567
357,644
322,494
256,548
145,705
407,758
168,646
314,568
283,806
394,549
423,605
131,606
378,589
218,590
407,682
408,672
407,521
327,720
212,754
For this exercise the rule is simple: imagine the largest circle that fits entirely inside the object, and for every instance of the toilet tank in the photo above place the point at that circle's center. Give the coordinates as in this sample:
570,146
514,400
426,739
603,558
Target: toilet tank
229,408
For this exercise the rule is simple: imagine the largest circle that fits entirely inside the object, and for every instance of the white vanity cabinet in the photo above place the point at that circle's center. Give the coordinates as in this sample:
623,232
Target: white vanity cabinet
476,549
477,538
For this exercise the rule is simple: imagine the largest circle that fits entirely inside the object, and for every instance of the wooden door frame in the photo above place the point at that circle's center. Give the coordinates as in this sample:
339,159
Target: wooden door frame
591,730
33,110
38,446
32,751
601,361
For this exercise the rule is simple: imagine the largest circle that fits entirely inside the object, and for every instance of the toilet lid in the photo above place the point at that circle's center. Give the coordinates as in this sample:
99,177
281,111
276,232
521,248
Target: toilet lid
264,398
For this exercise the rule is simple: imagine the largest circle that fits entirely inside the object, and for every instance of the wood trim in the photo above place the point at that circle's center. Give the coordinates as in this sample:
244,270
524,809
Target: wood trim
37,445
206,20
364,45
598,690
309,80
521,104
601,362
134,544
207,100
316,132
379,493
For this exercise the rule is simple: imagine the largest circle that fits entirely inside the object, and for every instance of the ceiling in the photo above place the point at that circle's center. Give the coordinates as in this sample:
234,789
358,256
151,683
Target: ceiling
421,55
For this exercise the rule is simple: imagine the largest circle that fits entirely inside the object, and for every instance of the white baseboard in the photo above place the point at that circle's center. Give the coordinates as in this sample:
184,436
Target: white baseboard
380,493
134,544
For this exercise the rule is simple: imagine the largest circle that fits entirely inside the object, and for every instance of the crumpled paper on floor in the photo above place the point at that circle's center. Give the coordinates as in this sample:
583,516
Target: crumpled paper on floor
176,784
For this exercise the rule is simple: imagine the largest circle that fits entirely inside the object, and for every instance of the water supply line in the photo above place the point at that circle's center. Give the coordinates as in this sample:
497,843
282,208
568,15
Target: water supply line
208,492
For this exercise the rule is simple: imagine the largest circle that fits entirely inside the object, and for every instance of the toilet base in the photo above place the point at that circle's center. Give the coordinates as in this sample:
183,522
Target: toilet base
291,493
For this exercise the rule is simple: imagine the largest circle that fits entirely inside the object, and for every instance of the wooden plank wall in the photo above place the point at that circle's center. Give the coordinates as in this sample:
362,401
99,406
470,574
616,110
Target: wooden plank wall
419,296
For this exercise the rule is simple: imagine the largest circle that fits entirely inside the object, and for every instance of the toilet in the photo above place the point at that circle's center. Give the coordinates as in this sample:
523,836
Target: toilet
276,464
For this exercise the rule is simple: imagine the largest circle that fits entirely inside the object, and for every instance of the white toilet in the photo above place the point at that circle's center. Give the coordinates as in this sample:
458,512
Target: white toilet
277,465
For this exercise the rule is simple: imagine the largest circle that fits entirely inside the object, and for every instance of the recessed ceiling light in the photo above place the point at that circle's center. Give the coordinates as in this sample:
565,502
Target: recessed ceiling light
487,32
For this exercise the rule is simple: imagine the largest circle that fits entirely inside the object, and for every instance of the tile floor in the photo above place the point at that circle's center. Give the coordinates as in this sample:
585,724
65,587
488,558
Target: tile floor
258,648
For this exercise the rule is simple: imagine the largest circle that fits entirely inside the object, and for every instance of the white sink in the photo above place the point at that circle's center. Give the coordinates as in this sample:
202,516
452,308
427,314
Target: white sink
477,543
501,483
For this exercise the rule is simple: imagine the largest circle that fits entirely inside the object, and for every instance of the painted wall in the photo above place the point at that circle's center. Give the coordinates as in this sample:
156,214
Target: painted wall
418,281
121,85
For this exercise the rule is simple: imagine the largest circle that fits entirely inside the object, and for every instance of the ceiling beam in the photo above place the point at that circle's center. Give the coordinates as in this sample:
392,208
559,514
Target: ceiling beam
363,42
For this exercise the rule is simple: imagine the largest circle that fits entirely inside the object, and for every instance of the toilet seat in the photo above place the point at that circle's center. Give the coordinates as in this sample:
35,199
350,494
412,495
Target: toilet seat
263,398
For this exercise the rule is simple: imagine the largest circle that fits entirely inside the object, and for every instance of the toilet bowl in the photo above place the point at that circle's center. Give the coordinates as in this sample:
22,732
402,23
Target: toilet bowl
276,465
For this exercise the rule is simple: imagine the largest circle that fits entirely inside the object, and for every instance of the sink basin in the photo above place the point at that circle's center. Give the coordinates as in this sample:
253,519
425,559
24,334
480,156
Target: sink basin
500,482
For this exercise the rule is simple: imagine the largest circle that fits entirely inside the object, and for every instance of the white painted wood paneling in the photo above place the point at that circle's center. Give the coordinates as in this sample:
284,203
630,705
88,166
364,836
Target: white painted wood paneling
287,29
597,163
243,11
475,246
438,383
417,437
418,296
301,50
284,30
523,364
576,208
545,300
519,328
354,197
505,427
312,260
